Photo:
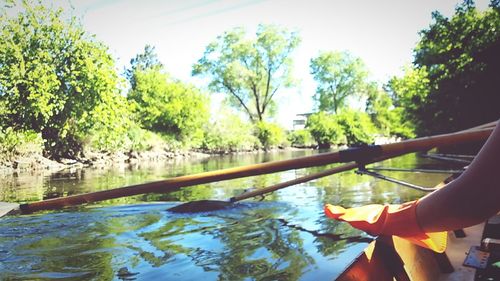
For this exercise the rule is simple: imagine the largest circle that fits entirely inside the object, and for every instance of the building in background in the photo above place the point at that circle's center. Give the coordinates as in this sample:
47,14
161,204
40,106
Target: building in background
300,121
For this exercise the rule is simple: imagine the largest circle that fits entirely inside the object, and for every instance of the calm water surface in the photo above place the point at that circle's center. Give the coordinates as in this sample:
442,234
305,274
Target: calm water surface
284,236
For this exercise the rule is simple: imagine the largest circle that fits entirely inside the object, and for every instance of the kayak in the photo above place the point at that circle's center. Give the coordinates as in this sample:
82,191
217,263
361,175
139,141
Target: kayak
472,254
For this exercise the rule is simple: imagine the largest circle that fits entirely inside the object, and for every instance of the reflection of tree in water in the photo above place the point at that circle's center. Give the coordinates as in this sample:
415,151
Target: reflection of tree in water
237,246
249,243
75,245
261,248
350,189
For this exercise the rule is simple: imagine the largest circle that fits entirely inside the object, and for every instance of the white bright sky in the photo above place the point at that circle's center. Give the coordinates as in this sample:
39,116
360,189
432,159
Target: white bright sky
382,33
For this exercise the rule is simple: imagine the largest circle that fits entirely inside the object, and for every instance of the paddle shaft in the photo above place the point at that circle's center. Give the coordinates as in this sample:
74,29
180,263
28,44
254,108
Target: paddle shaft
335,170
362,154
262,191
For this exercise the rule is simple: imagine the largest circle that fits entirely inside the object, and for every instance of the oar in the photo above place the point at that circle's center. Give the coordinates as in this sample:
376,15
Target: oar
484,126
213,205
359,154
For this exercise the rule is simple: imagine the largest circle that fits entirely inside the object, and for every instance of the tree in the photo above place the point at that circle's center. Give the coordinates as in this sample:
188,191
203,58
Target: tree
357,126
167,105
460,55
164,104
325,129
410,95
143,61
339,75
250,71
52,76
386,117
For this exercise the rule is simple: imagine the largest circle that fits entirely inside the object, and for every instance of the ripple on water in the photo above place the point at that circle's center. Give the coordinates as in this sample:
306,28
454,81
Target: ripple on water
246,241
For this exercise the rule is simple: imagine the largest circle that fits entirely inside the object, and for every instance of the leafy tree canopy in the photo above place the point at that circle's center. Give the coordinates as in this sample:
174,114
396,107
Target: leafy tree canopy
143,61
250,70
410,95
325,129
167,105
52,75
387,117
339,75
461,57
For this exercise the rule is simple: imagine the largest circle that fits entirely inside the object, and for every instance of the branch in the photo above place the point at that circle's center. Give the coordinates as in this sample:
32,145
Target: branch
231,90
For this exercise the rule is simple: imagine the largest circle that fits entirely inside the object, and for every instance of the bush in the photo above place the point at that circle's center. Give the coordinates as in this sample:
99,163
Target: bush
300,138
14,143
143,140
270,134
168,106
357,126
228,134
325,129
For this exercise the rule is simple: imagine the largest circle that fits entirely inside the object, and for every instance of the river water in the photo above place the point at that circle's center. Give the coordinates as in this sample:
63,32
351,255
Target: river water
283,236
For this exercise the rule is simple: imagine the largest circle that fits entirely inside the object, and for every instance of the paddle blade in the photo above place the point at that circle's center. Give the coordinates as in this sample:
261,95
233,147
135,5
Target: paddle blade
8,208
200,206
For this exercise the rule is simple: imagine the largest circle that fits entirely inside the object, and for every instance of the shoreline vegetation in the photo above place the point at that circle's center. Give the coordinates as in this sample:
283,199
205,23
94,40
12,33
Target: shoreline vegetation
37,162
33,161
64,103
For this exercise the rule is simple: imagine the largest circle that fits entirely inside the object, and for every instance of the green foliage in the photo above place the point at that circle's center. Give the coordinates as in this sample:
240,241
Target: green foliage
24,143
270,134
357,126
325,129
111,125
460,55
139,139
229,134
410,93
51,76
143,61
349,127
168,106
339,76
250,71
300,138
386,117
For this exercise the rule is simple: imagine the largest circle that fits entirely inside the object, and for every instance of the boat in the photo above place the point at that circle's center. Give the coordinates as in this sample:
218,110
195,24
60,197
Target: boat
466,258
472,253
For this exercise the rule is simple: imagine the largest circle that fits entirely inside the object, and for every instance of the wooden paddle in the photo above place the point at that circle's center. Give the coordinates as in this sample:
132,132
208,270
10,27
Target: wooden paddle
357,154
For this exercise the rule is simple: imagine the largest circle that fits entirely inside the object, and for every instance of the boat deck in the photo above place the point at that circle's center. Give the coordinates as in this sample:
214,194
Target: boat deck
457,247
393,258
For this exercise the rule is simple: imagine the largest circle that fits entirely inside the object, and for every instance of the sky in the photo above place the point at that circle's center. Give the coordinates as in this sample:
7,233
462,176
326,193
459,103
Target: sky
382,33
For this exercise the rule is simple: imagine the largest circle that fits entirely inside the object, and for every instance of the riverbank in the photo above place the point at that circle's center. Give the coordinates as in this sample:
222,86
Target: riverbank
33,162
37,162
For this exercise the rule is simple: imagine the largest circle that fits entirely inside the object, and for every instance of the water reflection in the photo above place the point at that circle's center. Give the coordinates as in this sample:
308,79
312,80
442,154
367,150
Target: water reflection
249,241
284,237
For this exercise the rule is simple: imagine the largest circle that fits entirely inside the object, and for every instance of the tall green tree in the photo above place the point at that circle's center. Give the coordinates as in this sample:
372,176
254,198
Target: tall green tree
461,57
339,76
357,126
325,129
52,75
411,92
164,104
250,71
148,59
386,117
